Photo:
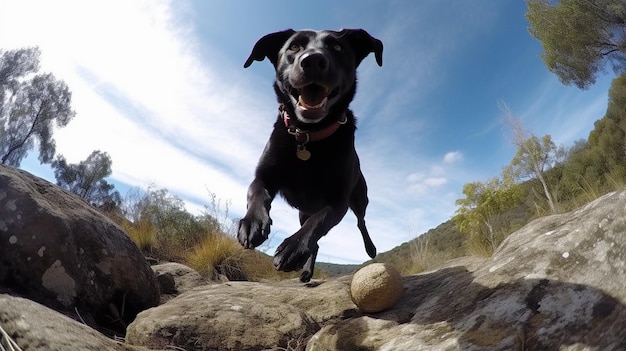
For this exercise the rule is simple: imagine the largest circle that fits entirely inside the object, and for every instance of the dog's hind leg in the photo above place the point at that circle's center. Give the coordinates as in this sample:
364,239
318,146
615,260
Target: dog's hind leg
303,217
358,204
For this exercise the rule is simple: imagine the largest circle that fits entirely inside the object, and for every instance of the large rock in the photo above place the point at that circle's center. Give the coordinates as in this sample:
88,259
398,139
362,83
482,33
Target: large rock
557,284
242,316
35,327
175,279
58,250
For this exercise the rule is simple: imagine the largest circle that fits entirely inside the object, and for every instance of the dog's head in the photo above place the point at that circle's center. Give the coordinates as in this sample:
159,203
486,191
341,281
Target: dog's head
316,70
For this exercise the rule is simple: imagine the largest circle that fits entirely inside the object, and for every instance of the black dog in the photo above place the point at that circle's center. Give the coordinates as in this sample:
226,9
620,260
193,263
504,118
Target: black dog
310,157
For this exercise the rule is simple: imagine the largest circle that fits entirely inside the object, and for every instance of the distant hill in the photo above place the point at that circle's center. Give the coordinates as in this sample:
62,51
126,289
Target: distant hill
445,239
445,242
335,270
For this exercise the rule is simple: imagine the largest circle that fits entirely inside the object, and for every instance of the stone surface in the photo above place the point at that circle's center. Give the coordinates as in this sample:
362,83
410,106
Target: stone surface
175,279
58,250
556,284
241,316
376,287
559,283
35,327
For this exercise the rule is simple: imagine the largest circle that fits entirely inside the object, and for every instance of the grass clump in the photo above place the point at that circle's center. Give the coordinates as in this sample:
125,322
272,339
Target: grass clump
220,255
424,257
143,234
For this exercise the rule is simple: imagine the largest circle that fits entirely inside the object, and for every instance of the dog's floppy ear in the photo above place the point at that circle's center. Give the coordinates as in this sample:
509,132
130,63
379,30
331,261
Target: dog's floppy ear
268,46
362,44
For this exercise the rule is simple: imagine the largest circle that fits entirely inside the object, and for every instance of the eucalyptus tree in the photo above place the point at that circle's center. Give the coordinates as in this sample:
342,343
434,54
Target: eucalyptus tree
580,37
86,179
31,104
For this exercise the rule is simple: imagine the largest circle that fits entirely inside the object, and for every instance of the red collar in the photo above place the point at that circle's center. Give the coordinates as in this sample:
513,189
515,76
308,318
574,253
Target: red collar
303,136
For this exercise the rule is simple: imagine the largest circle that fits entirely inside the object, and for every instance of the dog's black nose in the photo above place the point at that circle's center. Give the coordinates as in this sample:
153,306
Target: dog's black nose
314,62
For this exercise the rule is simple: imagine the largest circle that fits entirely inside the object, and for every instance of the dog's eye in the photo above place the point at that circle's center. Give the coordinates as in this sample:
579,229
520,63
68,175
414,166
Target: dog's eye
337,47
294,47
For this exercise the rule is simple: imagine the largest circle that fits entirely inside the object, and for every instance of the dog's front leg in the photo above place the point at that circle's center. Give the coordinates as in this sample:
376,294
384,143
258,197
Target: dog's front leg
299,251
254,227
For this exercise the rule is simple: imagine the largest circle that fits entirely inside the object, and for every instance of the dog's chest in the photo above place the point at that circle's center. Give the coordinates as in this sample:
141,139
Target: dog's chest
311,184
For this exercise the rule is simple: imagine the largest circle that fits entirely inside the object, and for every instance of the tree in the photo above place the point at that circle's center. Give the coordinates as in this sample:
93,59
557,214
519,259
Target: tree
160,224
580,37
533,158
29,105
478,212
534,155
86,179
602,159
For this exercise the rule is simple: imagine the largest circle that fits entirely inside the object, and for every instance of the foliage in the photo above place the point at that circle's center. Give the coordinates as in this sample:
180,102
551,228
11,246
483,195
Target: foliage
478,212
580,37
86,179
598,164
162,224
29,105
534,156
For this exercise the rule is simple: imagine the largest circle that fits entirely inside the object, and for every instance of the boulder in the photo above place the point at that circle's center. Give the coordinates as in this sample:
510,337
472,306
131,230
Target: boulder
242,316
176,278
556,284
34,327
57,250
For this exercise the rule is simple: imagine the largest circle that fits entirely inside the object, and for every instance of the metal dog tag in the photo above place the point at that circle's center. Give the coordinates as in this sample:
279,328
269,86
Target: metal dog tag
302,153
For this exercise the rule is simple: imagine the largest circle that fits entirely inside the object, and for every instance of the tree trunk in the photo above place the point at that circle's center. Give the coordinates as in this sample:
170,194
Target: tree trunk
547,192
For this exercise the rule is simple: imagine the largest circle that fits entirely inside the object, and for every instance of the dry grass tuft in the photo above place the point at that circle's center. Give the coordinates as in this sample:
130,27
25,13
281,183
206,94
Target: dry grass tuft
219,254
424,257
143,234
222,255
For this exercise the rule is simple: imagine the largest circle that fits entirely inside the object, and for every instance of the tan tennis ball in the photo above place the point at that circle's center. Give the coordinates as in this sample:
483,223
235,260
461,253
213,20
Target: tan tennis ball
376,287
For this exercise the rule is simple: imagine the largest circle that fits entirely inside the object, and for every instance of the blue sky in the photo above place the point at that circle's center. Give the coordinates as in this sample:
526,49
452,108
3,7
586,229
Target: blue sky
160,86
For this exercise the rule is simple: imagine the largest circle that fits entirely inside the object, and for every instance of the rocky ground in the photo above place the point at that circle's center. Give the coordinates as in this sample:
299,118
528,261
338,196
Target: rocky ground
559,283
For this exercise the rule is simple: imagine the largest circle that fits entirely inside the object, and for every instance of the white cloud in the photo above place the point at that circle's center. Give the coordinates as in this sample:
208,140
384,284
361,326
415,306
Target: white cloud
141,94
421,182
415,177
168,115
452,157
427,184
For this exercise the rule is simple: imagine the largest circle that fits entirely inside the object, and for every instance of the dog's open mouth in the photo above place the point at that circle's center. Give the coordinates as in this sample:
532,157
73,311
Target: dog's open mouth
313,96
312,101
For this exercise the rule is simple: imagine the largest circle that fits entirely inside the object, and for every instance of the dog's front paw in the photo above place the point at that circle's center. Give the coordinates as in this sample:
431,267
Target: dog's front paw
293,255
253,229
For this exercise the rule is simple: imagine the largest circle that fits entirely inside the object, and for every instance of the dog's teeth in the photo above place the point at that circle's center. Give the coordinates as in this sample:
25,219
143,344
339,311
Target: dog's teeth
305,105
